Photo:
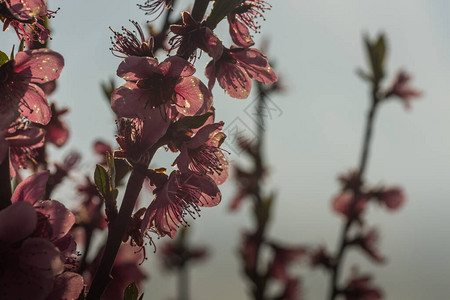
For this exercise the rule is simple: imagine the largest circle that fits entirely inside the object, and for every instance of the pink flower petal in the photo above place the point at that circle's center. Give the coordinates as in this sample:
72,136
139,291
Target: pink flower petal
175,66
234,80
34,106
58,215
57,134
137,67
68,285
39,66
256,65
204,134
210,73
129,101
29,271
193,97
26,10
17,221
32,188
239,33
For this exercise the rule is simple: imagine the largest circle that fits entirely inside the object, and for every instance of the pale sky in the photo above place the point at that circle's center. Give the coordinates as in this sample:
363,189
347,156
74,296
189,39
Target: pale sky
317,45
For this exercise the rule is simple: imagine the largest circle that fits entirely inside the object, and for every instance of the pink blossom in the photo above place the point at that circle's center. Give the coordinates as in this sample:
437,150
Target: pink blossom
180,195
68,285
249,249
401,89
202,156
129,44
368,241
242,18
137,136
153,6
321,257
167,85
19,78
176,254
235,69
393,198
23,139
283,257
36,248
291,291
192,35
125,270
343,204
57,131
23,16
360,288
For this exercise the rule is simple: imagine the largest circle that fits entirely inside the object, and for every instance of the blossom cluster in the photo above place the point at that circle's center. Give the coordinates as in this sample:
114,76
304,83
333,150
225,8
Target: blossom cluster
165,104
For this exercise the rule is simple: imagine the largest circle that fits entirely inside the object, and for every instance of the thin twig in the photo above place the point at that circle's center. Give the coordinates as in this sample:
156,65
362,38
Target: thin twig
5,183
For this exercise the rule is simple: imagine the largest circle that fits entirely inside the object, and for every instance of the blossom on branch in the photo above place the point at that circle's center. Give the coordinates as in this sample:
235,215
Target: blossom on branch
18,83
169,85
201,155
235,69
242,19
181,195
23,16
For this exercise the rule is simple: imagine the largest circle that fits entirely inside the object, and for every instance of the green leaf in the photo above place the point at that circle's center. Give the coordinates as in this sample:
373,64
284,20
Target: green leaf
115,193
101,180
22,42
111,169
220,10
3,58
11,56
131,292
194,122
108,88
377,52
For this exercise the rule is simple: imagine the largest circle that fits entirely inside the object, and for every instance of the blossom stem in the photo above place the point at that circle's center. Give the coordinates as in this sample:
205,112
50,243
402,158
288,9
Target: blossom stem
183,282
5,183
259,211
117,229
198,12
343,240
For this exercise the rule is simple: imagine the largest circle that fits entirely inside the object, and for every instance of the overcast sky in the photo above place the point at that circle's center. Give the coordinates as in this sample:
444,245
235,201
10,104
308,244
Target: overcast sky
314,136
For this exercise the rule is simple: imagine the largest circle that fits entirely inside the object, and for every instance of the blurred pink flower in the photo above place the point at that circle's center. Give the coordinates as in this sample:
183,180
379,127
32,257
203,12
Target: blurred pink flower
401,89
126,269
249,248
176,256
57,131
393,198
291,291
36,248
343,202
367,241
283,257
321,257
360,288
